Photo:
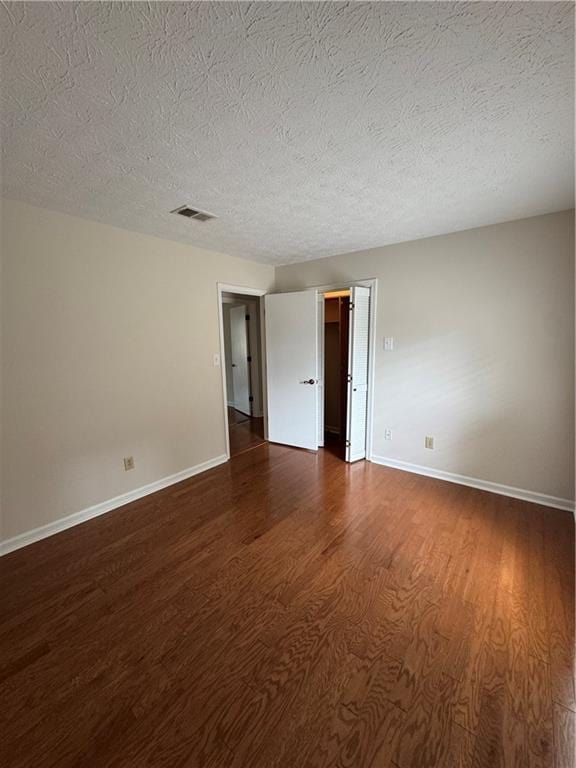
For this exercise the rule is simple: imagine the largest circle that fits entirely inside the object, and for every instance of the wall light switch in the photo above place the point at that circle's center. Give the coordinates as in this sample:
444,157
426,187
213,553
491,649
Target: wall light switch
429,442
128,463
389,343
387,434
216,361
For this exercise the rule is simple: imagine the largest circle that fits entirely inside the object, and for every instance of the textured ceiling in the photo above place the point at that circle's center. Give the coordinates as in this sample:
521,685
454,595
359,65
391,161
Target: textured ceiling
308,128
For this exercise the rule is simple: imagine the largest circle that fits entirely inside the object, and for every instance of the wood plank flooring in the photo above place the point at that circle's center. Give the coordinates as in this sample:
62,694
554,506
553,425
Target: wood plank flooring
287,610
245,432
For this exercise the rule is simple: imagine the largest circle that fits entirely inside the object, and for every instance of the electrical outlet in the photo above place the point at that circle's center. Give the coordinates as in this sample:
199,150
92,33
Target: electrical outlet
387,434
429,442
129,463
388,343
216,361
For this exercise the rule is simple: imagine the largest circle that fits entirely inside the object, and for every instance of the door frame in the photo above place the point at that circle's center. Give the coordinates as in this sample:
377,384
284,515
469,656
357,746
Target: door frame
371,283
247,291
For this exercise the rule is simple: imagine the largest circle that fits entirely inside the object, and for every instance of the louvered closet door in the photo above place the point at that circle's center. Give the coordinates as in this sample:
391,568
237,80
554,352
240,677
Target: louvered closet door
357,405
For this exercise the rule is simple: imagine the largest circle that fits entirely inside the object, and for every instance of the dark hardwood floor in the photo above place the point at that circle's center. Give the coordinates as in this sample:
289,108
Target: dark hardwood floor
245,432
287,609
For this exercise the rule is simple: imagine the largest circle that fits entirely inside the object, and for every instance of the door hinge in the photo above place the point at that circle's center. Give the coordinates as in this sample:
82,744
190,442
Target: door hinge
247,317
250,399
348,443
348,377
249,358
351,306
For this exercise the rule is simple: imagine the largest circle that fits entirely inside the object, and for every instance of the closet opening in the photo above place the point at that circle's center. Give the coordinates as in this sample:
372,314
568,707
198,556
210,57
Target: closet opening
336,343
319,346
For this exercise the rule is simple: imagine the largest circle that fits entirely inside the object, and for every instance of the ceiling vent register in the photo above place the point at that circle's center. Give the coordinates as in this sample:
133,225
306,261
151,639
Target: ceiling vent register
193,213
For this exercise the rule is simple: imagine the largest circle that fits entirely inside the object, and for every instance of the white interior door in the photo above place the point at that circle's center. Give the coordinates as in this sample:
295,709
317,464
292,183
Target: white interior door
357,401
239,350
291,363
320,370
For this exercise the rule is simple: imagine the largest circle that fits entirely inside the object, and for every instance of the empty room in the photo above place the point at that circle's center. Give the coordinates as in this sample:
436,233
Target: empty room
287,466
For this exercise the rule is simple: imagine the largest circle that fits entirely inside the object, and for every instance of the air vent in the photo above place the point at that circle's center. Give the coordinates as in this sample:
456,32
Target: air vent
193,213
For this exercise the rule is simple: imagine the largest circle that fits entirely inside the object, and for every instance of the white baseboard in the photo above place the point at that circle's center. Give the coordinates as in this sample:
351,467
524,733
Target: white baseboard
29,537
474,482
36,534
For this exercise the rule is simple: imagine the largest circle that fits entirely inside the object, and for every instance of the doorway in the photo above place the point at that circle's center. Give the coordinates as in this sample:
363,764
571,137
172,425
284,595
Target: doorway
335,379
319,352
242,363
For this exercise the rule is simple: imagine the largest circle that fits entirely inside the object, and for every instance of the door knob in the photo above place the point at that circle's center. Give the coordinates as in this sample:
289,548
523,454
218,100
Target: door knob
233,365
309,381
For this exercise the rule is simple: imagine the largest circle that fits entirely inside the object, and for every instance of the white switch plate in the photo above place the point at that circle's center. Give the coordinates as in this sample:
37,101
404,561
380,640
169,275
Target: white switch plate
387,434
216,361
429,442
388,342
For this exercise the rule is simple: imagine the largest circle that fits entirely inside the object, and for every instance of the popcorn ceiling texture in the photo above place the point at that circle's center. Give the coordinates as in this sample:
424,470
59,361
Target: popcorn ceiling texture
308,129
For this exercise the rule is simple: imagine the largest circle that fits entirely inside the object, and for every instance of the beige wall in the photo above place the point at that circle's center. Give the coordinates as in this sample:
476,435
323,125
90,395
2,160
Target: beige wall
108,343
108,338
483,323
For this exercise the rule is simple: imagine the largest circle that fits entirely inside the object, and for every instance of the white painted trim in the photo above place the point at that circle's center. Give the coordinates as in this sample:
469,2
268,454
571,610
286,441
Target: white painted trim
244,291
263,369
29,537
474,482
